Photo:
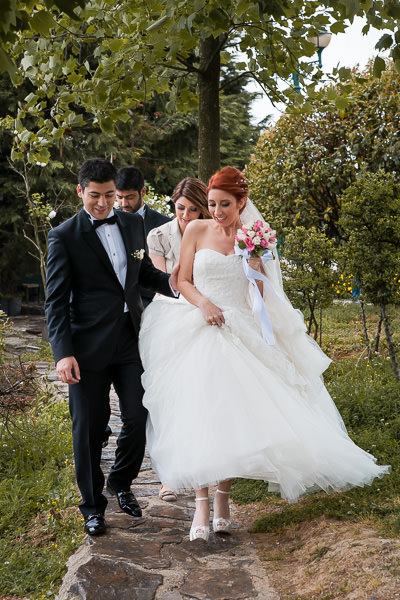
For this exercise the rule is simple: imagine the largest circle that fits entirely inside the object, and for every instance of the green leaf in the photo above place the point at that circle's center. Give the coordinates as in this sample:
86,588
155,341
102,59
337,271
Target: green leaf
16,155
394,10
344,73
30,97
42,22
341,102
116,45
396,53
107,125
397,66
6,64
338,27
68,6
158,23
28,61
384,42
43,156
352,8
379,66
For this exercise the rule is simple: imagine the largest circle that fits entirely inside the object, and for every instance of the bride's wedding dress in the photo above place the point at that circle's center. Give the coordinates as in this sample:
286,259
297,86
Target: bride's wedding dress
222,403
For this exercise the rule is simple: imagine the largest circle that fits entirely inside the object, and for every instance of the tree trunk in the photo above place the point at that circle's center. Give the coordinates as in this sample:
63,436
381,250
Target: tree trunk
320,327
378,334
388,333
364,322
209,112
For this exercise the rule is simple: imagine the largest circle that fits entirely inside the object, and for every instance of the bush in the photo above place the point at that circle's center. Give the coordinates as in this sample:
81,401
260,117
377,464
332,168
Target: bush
40,525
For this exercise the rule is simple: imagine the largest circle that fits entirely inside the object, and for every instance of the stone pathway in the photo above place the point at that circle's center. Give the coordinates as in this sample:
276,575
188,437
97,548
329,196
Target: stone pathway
151,558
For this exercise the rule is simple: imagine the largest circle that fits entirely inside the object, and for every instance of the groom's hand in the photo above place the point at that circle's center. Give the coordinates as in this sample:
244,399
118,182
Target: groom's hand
173,280
68,370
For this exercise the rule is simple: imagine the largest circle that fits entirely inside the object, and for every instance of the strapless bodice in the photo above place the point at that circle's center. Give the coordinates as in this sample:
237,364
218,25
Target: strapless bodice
220,278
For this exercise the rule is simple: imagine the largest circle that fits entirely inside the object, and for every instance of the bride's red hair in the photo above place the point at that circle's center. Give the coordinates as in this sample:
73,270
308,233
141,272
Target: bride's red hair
230,180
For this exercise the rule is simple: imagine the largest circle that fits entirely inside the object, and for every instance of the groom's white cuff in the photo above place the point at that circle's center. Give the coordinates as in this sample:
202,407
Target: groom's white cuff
175,292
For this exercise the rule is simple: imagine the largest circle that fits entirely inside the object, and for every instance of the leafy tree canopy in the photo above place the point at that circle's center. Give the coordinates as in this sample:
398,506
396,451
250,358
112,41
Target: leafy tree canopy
113,55
370,221
303,163
307,270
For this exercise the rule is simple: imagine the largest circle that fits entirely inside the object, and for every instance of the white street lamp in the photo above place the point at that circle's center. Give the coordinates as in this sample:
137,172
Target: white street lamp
321,41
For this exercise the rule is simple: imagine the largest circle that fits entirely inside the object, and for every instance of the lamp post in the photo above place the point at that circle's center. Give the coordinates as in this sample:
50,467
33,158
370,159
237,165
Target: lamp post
320,41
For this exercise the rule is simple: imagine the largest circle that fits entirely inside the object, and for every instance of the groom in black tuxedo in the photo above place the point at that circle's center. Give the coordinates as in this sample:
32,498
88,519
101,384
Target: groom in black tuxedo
96,262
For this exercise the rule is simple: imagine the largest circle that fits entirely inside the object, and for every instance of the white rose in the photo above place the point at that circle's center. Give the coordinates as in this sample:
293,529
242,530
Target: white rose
241,235
52,214
256,240
251,234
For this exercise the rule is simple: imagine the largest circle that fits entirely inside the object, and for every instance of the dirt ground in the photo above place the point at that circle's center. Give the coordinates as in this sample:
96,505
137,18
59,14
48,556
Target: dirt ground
324,559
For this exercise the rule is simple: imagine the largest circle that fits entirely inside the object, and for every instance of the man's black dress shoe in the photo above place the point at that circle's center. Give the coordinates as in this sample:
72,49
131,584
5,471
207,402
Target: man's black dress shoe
95,524
127,501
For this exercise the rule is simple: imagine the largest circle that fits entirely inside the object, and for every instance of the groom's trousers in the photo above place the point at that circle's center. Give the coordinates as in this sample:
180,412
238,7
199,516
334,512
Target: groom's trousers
89,407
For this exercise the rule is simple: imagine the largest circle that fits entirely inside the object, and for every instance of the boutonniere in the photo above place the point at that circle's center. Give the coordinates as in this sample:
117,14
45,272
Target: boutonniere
138,254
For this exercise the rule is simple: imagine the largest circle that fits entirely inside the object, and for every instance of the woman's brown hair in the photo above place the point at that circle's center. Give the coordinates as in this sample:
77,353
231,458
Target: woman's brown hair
195,191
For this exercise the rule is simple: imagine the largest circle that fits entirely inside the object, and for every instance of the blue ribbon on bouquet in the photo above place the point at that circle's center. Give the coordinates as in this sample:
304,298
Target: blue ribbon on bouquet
259,307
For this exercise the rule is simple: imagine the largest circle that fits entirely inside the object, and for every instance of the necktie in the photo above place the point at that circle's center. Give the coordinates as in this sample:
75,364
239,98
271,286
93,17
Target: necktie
108,221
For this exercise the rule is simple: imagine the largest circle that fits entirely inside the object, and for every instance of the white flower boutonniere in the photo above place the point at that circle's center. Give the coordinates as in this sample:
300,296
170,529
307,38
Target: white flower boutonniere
138,254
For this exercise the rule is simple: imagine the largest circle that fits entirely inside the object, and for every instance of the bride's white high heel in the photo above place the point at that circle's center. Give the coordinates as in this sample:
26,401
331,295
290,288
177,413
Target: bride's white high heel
221,525
200,531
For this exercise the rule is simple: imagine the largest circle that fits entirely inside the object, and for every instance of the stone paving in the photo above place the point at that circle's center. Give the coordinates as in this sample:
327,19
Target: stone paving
151,558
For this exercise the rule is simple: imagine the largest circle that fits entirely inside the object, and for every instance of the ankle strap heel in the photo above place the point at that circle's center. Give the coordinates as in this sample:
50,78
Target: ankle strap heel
200,531
221,525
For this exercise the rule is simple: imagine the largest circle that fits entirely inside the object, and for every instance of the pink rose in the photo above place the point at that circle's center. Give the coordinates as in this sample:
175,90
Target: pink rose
249,244
264,243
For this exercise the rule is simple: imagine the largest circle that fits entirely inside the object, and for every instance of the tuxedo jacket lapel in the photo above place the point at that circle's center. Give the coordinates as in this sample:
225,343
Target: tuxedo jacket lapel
92,239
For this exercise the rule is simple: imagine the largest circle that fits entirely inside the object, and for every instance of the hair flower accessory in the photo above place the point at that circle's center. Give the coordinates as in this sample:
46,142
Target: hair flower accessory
138,254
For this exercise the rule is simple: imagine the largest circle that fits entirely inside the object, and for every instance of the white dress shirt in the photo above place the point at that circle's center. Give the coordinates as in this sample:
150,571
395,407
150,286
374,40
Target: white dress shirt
111,239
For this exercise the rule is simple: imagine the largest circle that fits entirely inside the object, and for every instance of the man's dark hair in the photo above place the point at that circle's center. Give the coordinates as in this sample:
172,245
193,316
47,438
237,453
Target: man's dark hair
129,178
97,170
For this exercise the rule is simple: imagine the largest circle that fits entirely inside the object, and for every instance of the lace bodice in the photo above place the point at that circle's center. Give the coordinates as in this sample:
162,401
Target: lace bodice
221,278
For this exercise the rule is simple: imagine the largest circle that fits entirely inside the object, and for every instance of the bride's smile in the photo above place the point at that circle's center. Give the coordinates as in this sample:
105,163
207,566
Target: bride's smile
224,207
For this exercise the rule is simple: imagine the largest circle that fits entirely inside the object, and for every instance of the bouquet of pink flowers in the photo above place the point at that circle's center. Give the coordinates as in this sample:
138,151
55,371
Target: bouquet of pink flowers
256,238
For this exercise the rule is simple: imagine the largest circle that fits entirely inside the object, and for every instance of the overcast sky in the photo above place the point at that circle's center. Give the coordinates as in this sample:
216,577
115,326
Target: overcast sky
346,49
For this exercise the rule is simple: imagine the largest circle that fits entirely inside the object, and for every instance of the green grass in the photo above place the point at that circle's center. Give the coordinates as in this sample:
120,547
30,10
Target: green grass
44,353
40,525
368,398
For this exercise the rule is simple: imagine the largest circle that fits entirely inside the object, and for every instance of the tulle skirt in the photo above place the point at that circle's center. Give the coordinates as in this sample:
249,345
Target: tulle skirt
222,404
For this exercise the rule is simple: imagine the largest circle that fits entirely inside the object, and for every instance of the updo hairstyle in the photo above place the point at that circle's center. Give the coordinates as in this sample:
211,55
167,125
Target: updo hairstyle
230,180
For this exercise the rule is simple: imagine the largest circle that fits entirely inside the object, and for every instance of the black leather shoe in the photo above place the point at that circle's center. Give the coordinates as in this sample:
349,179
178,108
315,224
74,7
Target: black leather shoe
95,524
127,501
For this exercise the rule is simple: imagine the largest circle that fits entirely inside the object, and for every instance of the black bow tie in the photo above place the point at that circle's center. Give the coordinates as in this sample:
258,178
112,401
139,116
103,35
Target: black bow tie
109,221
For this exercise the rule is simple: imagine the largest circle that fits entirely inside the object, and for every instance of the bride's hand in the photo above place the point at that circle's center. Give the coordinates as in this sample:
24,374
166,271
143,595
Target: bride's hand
211,313
256,263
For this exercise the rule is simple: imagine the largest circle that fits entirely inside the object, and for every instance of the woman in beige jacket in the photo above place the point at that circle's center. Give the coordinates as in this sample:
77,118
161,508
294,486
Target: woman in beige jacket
190,200
164,242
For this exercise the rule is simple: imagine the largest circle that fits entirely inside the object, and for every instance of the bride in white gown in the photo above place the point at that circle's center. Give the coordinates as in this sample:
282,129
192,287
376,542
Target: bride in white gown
222,402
